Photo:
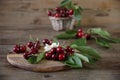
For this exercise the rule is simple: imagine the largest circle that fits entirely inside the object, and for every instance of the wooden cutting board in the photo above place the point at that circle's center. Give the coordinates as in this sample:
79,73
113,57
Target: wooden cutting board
17,60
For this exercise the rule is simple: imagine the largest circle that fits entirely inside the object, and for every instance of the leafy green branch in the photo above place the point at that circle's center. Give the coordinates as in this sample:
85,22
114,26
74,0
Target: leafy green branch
84,54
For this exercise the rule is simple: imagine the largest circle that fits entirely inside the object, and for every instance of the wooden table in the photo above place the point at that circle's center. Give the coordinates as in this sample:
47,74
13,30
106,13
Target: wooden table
108,68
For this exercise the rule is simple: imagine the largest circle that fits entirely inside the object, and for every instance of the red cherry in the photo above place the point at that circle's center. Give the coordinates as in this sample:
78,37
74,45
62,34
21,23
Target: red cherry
48,56
67,13
62,11
22,48
53,50
50,42
49,13
87,36
79,35
46,41
63,15
57,15
30,44
61,57
60,50
71,12
26,55
54,57
80,30
65,9
16,49
57,9
34,50
69,50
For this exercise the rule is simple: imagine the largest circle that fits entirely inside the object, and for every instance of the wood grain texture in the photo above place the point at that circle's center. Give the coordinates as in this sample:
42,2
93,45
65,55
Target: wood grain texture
17,60
33,12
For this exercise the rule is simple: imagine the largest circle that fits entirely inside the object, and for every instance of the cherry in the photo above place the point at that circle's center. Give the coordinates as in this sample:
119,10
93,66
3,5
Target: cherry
61,57
69,50
57,9
57,15
67,13
30,44
53,50
65,9
22,48
60,50
54,57
48,55
50,42
80,30
79,35
71,12
34,50
49,13
46,41
62,12
63,15
87,36
26,55
16,48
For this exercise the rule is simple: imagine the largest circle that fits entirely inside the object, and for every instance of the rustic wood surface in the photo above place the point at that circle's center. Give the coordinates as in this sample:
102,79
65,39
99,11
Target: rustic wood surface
17,60
33,12
108,68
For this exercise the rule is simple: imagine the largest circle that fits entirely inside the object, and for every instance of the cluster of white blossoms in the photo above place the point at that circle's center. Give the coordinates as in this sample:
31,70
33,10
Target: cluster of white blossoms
48,47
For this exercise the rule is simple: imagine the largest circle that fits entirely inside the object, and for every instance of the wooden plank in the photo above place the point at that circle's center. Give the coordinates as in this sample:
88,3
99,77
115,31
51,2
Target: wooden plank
43,66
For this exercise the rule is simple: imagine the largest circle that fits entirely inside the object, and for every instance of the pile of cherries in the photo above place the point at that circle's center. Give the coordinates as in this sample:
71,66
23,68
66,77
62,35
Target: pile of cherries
33,49
19,48
61,12
59,53
81,34
30,49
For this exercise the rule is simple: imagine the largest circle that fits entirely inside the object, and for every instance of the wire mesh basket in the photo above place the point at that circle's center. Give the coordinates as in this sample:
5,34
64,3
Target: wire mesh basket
59,24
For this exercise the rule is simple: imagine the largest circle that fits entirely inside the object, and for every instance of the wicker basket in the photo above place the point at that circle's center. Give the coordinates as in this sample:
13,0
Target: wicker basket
62,23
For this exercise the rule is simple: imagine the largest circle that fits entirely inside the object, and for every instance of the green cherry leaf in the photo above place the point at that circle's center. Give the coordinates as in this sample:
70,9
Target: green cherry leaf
40,56
80,42
64,3
82,57
65,36
87,50
103,42
100,32
32,59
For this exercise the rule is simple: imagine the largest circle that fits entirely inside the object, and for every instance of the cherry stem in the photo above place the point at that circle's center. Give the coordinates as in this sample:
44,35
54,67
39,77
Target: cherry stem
31,38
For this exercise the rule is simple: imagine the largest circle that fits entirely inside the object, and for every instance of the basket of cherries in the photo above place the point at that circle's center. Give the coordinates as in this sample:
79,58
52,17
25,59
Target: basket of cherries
61,18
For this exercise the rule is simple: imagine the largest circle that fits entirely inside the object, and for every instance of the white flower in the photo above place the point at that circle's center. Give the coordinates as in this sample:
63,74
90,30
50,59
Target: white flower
48,47
54,45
